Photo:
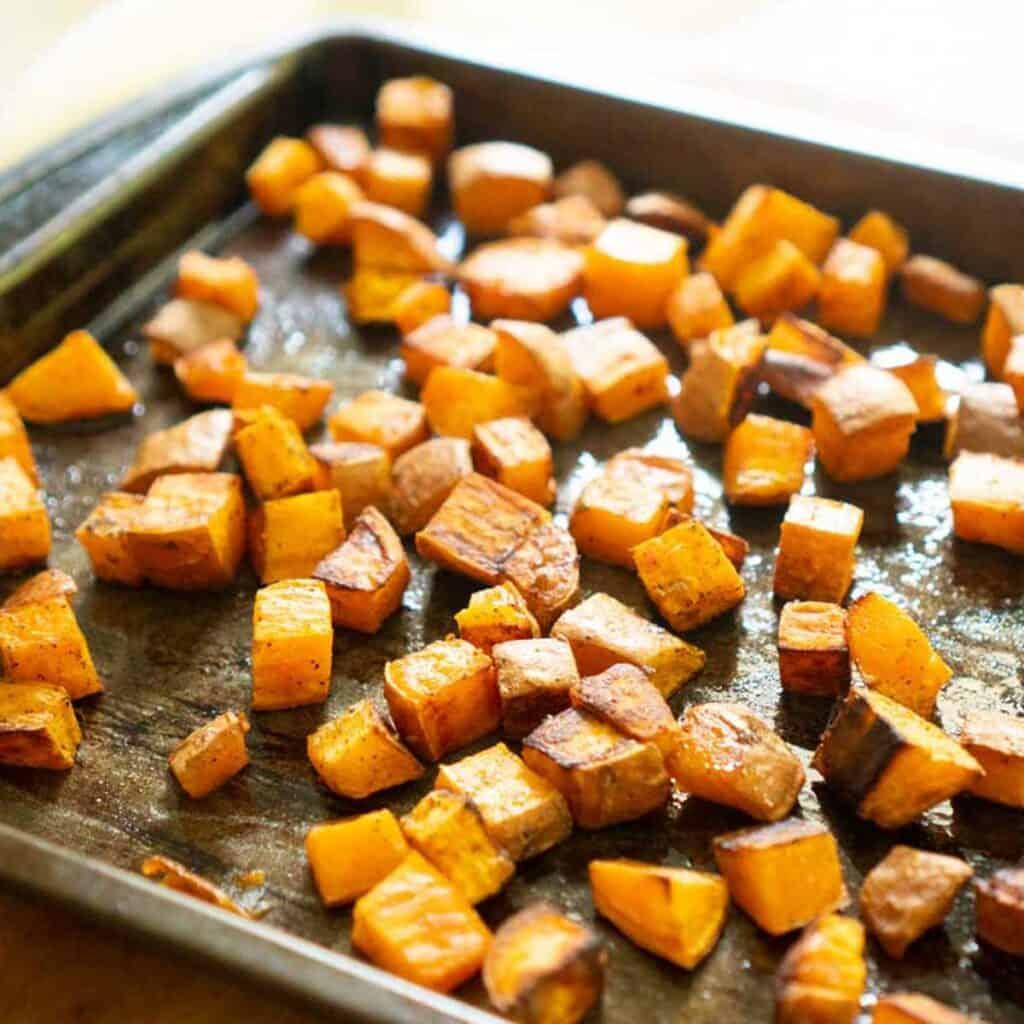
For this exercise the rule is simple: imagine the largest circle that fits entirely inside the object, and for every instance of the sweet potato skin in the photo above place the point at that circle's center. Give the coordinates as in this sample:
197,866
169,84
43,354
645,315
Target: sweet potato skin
195,445
999,910
996,741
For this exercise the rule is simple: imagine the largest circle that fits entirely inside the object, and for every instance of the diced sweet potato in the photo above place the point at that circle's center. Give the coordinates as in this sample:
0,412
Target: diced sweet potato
522,278
914,1008
173,875
669,212
376,417
851,298
986,419
817,545
14,442
534,679
545,569
802,337
372,294
360,472
593,180
367,576
385,238
274,456
443,342
612,515
1014,370
446,828
696,307
720,383
104,535
909,892
359,753
996,741
457,400
783,875
492,182
494,616
779,280
515,453
401,180
182,326
278,172
603,632
940,288
38,728
800,357
227,281
211,373
210,755
735,547
417,305
727,755
688,576
523,812
893,655
418,925
987,495
1004,321
323,208
423,477
348,858
301,399
999,910
341,147
288,537
44,586
196,445
416,115
918,373
631,270
671,476
622,371
24,525
765,461
543,967
573,220
888,762
821,977
880,232
814,656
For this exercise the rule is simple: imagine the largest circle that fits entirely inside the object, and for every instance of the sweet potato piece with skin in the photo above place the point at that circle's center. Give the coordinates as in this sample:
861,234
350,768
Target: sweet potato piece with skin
278,172
612,515
196,445
783,875
494,616
671,476
341,147
210,755
360,472
289,537
358,753
38,728
909,892
603,632
631,270
572,220
44,586
852,295
522,278
802,337
999,910
182,326
301,399
696,307
669,212
226,281
416,115
24,525
987,495
734,547
765,461
893,655
534,679
913,1008
274,456
780,280
372,294
323,207
211,373
515,453
996,741
594,181
417,305
821,977
448,831
880,232
814,656
888,762
1003,322
388,239
418,925
14,442
423,477
104,535
523,812
348,858
543,967
367,576
939,287
727,755
800,357
376,417
443,342
173,875
545,569
457,401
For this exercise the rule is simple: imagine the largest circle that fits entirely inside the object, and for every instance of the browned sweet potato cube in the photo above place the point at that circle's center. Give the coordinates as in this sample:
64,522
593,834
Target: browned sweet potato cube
376,417
765,461
669,212
996,741
1004,321
210,755
914,1008
360,472
276,174
851,298
494,616
416,114
880,232
211,373
671,476
573,220
341,147
800,357
613,515
592,179
987,495
372,294
44,586
534,678
182,326
940,288
999,910
323,208
443,342
104,535
814,657
420,303
274,456
918,373
195,445
781,279
515,453
456,400
696,307
423,477
301,399
545,569
38,728
289,536
735,547
401,180
385,238
224,281
24,525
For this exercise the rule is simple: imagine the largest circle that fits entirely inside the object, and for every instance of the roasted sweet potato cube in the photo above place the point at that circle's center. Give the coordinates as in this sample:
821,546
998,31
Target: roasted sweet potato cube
341,147
274,456
783,875
696,307
671,476
918,373
360,472
522,278
372,294
669,212
987,495
14,442
494,616
278,172
401,180
542,966
492,182
423,477
603,632
996,741
688,576
909,892
458,400
376,417
533,356
227,281
727,755
301,399
211,373
605,776
416,115
593,180
573,220
447,829
42,643
1014,371
44,586
442,697
999,910
940,288
38,728
418,925
631,270
986,419
443,342
418,304
367,576
800,357
323,208
359,753
814,656
821,977
288,537
851,298
914,1008
104,535
196,445
545,569
761,217
613,515
720,383
173,875
765,461
75,381
893,655
781,279
623,373
802,337
888,762
880,232
348,858
24,525
515,453
210,755
817,545
523,812
385,238
733,545
534,679
1003,322
182,326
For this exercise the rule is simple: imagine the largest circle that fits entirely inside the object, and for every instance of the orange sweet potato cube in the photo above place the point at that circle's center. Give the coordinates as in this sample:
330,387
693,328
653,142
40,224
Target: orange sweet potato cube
534,679
765,461
210,755
495,615
918,373
341,147
492,182
289,536
38,728
278,172
371,294
14,442
593,180
104,535
880,232
196,445
631,270
367,576
182,326
418,304
211,373
398,179
987,495
1004,321
781,279
323,208
940,288
1013,370
301,399
851,298
274,456
817,544
24,524
361,473
442,697
376,417
996,741
228,282
574,220
814,656
612,515
671,476
422,479
416,115
457,400
515,453
386,238
914,1008
443,342
44,586
696,307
